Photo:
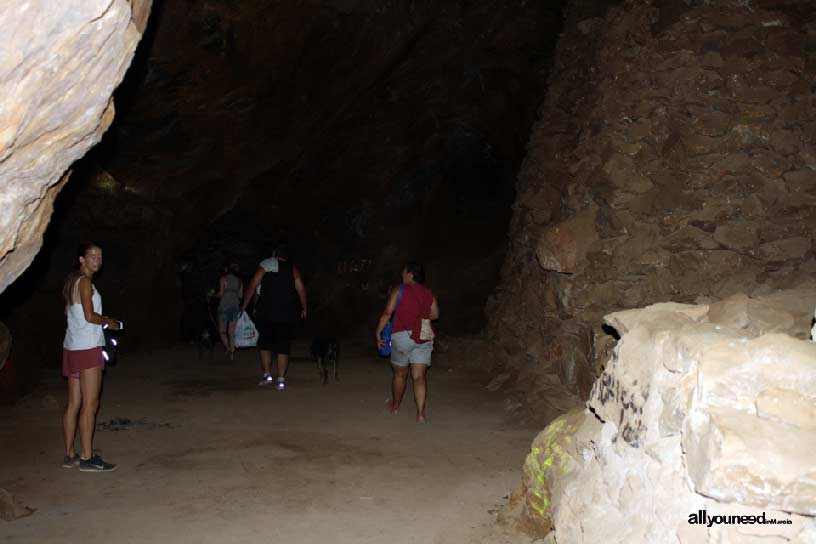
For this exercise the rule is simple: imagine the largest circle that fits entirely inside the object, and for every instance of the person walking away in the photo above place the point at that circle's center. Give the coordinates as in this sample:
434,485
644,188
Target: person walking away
411,337
276,311
230,292
82,359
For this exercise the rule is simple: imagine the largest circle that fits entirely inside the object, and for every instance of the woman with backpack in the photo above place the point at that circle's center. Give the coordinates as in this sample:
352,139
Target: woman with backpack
412,306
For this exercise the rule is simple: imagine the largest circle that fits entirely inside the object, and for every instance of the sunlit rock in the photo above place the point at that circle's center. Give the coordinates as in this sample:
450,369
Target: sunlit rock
59,65
698,413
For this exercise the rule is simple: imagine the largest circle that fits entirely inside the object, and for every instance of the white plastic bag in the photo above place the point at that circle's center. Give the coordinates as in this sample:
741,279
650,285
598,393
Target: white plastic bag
246,335
426,332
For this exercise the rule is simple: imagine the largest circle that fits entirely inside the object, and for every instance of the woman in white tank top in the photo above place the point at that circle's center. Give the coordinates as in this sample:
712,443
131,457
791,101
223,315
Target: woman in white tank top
231,290
82,361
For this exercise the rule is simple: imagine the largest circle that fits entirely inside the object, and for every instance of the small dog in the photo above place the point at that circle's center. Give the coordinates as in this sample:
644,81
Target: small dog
208,333
205,342
325,352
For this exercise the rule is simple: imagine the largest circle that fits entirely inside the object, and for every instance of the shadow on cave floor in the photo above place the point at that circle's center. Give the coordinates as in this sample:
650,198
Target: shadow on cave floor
205,455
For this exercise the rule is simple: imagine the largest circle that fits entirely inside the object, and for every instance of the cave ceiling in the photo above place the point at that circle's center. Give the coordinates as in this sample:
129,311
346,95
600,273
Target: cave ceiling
295,108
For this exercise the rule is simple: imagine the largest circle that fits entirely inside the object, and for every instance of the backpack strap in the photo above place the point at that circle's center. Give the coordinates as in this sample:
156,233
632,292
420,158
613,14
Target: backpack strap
399,297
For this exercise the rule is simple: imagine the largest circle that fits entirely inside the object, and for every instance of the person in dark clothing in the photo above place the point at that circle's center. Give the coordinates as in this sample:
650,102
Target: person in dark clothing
276,311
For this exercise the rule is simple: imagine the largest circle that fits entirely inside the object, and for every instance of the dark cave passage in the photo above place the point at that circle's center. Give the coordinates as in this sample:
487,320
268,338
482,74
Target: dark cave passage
363,137
614,202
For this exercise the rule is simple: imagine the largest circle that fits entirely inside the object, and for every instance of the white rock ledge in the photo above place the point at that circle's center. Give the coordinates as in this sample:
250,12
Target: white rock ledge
700,408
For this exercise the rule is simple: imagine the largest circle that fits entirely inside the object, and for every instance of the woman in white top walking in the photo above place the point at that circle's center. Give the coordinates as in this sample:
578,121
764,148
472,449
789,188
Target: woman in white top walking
231,290
82,360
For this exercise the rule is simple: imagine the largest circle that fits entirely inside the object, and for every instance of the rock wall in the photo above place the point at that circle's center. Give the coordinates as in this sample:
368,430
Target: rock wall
59,65
674,159
700,408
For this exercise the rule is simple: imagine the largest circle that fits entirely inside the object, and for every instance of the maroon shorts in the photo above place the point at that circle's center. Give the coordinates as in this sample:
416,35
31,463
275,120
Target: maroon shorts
74,360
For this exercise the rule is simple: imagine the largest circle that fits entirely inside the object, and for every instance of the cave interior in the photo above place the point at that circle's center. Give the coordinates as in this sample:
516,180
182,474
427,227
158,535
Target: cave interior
614,201
361,134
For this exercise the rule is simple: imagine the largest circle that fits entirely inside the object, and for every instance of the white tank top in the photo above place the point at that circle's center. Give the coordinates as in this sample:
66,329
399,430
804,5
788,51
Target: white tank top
80,334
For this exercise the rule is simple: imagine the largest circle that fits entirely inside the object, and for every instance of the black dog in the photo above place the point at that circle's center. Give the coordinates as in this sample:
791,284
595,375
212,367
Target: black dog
208,333
205,342
325,352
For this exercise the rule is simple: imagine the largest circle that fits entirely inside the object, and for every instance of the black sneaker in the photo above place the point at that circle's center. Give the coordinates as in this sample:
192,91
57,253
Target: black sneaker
95,464
69,461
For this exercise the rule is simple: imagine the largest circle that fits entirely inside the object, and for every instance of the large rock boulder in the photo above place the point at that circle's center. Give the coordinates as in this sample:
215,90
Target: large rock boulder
59,65
675,159
701,411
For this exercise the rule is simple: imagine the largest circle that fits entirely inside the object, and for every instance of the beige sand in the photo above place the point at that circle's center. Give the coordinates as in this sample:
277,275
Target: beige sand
213,458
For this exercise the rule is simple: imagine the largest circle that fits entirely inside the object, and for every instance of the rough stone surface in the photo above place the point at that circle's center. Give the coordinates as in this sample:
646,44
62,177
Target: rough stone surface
59,65
698,408
685,130
11,508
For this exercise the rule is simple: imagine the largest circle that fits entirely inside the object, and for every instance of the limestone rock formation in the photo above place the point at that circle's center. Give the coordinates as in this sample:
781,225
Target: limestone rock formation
59,65
675,159
699,408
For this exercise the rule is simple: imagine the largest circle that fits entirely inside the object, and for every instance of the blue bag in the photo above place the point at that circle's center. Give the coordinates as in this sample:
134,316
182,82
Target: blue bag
385,351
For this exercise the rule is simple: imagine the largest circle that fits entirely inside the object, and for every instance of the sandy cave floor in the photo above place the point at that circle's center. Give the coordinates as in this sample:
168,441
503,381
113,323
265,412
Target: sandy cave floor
210,457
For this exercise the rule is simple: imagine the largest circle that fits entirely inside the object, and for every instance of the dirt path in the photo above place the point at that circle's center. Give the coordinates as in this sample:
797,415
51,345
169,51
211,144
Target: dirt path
210,457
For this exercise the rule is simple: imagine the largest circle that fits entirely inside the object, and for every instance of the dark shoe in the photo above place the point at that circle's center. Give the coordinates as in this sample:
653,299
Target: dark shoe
95,464
70,462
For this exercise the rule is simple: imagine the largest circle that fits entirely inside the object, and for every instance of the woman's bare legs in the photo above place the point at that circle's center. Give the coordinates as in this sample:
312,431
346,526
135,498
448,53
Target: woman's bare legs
225,338
90,383
420,389
266,361
398,382
69,417
231,335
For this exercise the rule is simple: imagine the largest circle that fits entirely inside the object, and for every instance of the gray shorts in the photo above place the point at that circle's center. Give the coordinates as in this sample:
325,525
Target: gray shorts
405,351
228,314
